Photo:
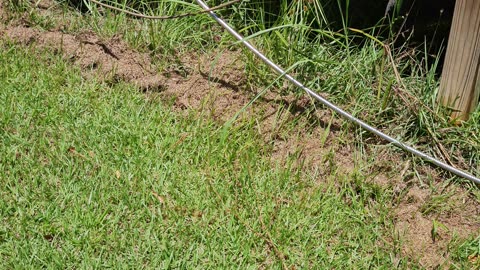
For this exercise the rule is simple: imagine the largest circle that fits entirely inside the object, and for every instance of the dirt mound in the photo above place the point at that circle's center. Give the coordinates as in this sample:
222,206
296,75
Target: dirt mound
214,84
111,60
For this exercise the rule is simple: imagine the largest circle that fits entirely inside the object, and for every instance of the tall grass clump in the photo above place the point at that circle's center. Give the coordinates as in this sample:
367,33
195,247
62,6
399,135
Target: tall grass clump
390,86
160,37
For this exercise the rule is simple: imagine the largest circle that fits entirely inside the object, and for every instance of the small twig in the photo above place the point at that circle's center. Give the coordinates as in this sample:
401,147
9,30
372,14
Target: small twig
440,146
405,169
404,22
140,15
390,4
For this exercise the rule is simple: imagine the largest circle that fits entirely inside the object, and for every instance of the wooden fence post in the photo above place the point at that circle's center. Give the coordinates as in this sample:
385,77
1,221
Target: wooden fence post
460,82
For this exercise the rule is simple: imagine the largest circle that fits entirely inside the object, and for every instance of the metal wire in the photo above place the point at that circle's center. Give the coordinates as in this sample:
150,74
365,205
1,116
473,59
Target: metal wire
336,108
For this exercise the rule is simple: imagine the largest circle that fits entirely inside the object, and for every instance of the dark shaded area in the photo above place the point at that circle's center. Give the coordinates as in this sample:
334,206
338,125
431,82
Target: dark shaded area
424,24
416,23
429,21
78,5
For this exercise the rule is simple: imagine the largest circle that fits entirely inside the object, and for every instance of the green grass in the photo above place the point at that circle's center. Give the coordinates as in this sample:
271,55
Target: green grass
469,251
96,176
99,175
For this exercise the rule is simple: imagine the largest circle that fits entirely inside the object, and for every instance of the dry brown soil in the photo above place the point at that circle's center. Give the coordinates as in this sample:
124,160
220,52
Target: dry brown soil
215,85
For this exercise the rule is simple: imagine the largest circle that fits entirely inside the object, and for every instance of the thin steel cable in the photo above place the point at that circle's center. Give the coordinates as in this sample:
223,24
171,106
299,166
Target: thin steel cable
334,107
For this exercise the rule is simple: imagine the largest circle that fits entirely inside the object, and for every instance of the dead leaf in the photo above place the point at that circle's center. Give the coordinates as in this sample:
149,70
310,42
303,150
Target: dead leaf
183,136
197,214
161,199
74,152
473,258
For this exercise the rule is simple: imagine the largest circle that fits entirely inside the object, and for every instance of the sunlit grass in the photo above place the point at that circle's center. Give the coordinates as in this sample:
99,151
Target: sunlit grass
96,176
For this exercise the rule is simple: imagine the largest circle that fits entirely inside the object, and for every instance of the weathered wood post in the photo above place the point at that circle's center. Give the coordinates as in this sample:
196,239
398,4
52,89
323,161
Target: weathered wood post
460,82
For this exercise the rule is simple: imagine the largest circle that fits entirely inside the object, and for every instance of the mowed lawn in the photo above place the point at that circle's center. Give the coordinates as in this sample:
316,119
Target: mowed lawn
97,176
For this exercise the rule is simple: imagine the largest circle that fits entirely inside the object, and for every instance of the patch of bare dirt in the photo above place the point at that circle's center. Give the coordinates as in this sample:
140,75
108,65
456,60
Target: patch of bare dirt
215,84
427,216
428,225
110,60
